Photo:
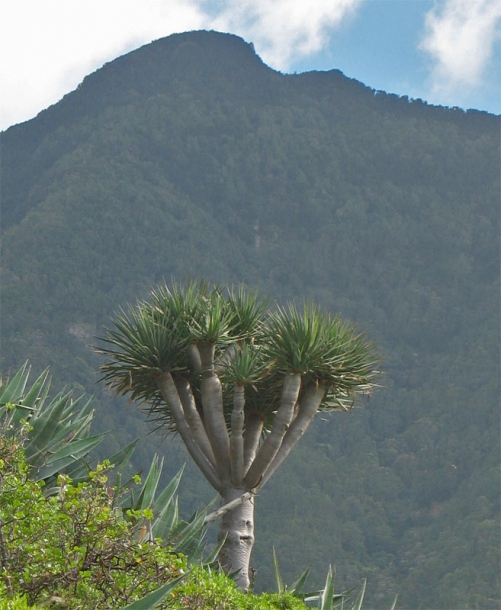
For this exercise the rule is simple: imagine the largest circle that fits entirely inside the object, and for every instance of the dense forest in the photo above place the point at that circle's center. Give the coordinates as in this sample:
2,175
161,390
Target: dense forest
191,158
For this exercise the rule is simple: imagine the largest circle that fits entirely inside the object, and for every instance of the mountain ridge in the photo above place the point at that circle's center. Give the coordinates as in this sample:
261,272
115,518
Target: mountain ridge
195,56
309,186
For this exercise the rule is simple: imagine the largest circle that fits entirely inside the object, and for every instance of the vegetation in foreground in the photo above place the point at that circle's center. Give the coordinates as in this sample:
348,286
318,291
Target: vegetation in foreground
74,544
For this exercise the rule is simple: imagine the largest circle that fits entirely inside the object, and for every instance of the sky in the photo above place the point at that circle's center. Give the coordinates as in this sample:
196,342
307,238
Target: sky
446,52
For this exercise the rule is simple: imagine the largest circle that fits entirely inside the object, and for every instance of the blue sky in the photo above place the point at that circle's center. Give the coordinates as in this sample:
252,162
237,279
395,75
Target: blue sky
447,52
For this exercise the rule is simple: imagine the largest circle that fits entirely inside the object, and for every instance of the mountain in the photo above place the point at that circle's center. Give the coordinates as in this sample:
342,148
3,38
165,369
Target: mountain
191,158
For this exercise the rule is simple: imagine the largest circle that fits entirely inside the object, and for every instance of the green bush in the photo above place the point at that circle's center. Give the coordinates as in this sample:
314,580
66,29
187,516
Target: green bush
74,549
206,589
14,602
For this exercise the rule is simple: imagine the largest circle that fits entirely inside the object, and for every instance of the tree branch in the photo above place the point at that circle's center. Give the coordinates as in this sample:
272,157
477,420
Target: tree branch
253,431
212,404
222,510
308,407
167,388
236,438
281,421
193,418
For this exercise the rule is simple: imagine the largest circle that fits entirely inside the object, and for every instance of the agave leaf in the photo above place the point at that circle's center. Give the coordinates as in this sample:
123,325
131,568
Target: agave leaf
14,389
166,510
43,473
278,576
147,494
297,586
188,539
358,604
166,522
45,426
121,458
76,448
326,600
148,602
76,451
84,413
35,394
73,429
212,557
77,471
165,498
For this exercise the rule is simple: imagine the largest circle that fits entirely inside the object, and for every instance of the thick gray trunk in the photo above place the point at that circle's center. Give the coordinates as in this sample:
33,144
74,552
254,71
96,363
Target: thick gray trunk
237,436
167,387
283,417
306,412
238,527
212,404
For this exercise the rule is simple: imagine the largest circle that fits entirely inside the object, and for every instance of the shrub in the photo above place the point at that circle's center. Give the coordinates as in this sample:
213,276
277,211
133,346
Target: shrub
74,549
206,589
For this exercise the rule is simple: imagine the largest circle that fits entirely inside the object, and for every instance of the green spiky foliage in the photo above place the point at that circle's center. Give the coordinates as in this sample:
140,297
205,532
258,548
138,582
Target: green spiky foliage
54,437
156,517
56,430
240,383
253,347
326,598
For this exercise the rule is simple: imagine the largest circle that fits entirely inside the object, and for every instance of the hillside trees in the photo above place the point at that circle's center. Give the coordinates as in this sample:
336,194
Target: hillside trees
238,382
384,210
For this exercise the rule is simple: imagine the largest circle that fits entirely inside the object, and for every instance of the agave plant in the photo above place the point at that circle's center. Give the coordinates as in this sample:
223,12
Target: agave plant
56,439
326,598
55,435
57,430
159,517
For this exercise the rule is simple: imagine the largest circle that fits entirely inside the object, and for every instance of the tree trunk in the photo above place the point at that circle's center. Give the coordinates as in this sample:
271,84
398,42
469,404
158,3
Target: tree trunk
283,417
214,420
167,387
307,410
238,527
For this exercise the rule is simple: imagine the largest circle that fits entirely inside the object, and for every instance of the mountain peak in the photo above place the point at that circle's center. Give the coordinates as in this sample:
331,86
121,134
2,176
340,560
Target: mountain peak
208,58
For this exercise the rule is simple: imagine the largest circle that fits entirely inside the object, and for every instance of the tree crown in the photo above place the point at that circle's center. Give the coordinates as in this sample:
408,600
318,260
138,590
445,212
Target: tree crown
249,344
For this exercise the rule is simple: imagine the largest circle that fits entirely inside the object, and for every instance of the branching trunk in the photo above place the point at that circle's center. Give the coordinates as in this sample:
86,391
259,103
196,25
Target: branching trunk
212,404
236,438
194,358
282,419
238,527
193,418
310,403
253,431
222,510
167,388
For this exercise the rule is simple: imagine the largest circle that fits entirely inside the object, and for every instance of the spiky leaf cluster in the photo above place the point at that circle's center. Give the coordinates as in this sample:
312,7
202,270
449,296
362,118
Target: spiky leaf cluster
254,347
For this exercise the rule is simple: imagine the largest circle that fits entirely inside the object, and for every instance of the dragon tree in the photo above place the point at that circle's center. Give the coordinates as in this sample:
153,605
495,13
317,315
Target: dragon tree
239,381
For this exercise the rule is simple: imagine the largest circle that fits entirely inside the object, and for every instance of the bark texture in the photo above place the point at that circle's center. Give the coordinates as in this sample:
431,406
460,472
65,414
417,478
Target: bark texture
238,527
167,387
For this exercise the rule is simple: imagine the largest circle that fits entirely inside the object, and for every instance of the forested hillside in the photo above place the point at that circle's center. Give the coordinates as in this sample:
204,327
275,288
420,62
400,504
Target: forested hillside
191,158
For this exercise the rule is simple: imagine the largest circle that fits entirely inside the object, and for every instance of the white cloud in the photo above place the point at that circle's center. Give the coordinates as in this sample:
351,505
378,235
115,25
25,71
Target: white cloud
46,48
460,36
284,30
